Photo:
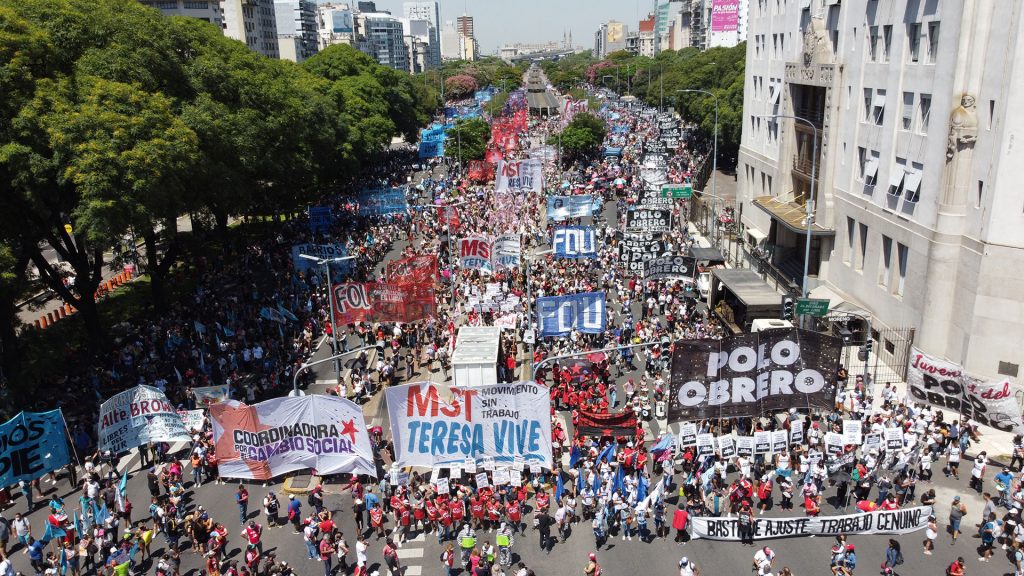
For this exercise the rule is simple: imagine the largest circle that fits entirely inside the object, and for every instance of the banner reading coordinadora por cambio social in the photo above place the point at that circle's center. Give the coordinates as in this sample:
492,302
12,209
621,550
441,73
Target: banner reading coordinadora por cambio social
280,435
434,427
902,521
138,416
751,374
32,444
944,384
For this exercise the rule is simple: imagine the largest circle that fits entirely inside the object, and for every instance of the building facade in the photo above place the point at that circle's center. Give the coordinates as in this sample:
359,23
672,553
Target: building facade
253,23
909,114
207,10
297,30
610,37
335,25
383,38
430,12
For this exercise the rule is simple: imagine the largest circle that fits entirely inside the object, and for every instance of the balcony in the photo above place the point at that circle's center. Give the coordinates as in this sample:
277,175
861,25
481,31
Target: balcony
815,115
804,166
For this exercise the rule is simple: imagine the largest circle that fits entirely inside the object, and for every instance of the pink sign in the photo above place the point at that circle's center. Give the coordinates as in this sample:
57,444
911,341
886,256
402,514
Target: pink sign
725,15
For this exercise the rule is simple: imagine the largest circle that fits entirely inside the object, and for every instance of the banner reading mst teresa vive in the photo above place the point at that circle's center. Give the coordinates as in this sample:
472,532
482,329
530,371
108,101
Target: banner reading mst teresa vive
519,175
501,421
280,435
32,444
559,315
902,521
138,416
751,374
380,302
944,384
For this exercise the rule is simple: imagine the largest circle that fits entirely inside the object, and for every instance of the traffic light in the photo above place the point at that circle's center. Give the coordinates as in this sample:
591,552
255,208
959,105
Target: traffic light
788,308
865,351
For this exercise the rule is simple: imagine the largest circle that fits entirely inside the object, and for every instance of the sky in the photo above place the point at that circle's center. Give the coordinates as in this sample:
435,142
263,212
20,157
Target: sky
499,22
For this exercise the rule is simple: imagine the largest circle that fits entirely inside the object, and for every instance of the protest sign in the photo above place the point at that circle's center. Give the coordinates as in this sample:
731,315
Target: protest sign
893,438
339,269
751,374
320,219
442,486
501,476
676,267
383,201
192,419
705,445
281,435
519,175
745,446
574,242
559,315
380,302
780,440
687,434
500,421
903,521
32,444
833,443
649,220
638,248
414,269
762,442
852,432
507,250
139,416
872,441
726,446
796,432
475,253
563,207
207,395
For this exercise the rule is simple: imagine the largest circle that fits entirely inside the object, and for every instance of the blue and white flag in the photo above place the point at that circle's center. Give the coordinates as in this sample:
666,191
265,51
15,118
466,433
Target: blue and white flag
575,242
559,315
320,219
563,207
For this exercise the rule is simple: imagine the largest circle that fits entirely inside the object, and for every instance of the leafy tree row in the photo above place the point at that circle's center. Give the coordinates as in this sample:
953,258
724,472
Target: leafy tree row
115,121
656,81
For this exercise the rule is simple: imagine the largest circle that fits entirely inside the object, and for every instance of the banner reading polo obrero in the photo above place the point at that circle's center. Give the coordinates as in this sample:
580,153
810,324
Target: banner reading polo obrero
944,384
517,175
751,374
32,444
280,435
138,416
502,421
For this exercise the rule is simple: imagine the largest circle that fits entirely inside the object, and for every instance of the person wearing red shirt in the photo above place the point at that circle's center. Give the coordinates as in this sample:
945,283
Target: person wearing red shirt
494,513
377,520
253,533
543,500
476,508
515,515
445,524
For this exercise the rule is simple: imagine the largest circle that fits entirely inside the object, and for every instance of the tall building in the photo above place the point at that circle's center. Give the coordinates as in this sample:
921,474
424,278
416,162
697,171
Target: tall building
457,40
451,43
207,10
383,38
253,23
723,28
464,24
610,37
431,12
296,29
335,25
647,40
917,210
418,35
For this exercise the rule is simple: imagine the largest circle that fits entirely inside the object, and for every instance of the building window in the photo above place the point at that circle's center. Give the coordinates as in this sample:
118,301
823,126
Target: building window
862,160
914,40
851,227
981,193
870,173
886,42
878,107
873,44
933,42
197,5
885,263
925,108
908,111
897,179
863,245
167,4
867,104
912,182
902,255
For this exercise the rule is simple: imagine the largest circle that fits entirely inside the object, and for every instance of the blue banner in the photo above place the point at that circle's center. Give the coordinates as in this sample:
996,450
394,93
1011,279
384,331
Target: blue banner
320,219
431,149
382,201
559,315
563,207
575,242
435,133
32,444
339,270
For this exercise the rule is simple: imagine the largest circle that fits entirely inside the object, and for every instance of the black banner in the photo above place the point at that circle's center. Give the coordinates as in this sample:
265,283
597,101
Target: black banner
682,267
649,220
751,374
637,248
650,198
621,425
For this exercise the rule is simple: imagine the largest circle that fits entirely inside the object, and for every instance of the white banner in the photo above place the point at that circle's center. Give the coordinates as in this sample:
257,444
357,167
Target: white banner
500,420
285,434
475,253
902,521
211,395
515,175
507,251
944,384
192,419
138,416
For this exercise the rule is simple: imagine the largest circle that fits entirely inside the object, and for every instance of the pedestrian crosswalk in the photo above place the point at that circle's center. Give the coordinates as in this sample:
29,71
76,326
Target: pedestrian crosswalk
410,555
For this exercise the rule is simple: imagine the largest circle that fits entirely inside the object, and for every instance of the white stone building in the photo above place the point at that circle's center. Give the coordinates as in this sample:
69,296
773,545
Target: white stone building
296,29
253,23
919,216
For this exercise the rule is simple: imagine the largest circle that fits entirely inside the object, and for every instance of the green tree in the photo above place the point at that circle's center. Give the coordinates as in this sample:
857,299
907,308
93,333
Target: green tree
583,136
467,139
460,86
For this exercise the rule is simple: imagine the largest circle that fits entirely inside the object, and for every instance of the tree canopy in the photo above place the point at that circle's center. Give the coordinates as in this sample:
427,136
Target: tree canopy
583,136
467,139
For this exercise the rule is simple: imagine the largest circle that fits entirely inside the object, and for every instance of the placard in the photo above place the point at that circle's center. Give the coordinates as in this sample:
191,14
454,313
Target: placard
814,456
705,445
726,446
455,472
687,434
796,432
518,463
745,446
469,465
442,486
515,478
501,476
873,441
762,442
481,480
852,432
780,440
833,443
487,463
893,438
536,468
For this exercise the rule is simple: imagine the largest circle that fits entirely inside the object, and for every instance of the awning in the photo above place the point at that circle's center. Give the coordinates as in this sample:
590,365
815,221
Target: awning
756,234
913,182
791,215
749,288
878,101
710,255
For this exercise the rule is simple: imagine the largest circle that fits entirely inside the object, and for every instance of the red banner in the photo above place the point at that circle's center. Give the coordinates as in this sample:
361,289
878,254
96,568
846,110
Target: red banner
520,120
413,269
380,302
481,171
621,425
493,156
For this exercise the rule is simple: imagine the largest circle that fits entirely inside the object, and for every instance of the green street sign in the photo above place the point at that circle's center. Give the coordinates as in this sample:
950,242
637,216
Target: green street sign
684,191
812,307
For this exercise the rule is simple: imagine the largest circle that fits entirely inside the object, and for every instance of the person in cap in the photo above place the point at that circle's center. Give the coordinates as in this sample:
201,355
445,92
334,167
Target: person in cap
957,511
687,568
593,568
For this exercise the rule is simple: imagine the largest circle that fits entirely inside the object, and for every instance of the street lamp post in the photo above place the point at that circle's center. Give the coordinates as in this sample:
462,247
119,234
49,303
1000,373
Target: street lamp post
529,300
326,263
451,253
298,371
809,205
714,165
